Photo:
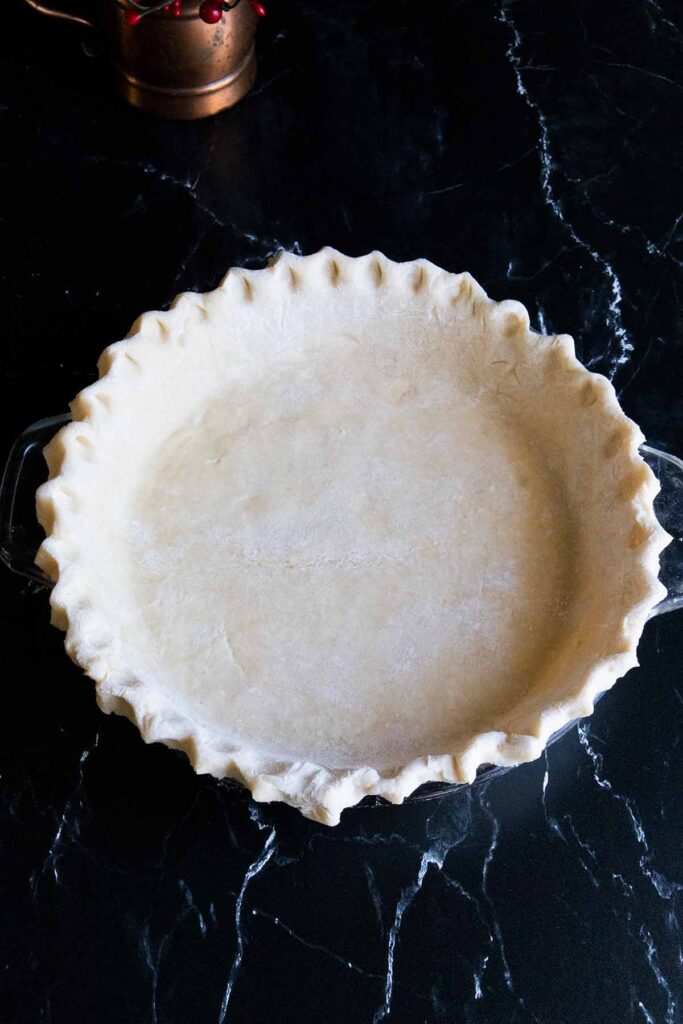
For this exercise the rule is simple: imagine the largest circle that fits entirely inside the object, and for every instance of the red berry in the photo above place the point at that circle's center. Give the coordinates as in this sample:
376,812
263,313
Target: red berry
131,17
258,8
176,10
168,8
210,11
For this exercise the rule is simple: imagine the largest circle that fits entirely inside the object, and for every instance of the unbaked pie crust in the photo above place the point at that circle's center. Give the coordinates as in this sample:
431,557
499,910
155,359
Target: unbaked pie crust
346,526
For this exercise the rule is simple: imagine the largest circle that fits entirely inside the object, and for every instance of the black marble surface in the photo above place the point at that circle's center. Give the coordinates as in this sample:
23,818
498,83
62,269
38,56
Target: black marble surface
536,144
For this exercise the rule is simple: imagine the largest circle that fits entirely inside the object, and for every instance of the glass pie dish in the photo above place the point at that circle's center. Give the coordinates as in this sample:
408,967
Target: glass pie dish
346,527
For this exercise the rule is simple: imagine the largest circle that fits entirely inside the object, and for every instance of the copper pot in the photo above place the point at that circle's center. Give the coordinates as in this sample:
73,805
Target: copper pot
175,67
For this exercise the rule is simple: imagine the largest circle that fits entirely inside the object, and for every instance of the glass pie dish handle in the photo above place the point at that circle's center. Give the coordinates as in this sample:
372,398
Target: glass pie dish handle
669,508
20,534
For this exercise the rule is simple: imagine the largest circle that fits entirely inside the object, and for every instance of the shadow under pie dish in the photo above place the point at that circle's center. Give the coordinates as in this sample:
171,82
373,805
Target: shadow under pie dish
345,526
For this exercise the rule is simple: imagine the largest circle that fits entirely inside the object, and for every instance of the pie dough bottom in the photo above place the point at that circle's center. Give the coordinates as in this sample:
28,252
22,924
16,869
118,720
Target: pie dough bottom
347,565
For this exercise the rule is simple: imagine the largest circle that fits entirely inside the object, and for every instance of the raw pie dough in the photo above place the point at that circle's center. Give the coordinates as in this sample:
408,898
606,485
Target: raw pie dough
344,526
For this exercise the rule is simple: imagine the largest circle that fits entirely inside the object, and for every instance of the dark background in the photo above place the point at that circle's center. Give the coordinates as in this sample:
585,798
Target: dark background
535,144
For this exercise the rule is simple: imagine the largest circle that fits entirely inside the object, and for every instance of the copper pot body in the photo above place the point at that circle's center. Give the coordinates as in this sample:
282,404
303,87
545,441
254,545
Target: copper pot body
175,67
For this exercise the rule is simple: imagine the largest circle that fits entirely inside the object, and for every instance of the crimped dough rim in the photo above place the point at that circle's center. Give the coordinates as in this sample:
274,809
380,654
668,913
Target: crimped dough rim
321,793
